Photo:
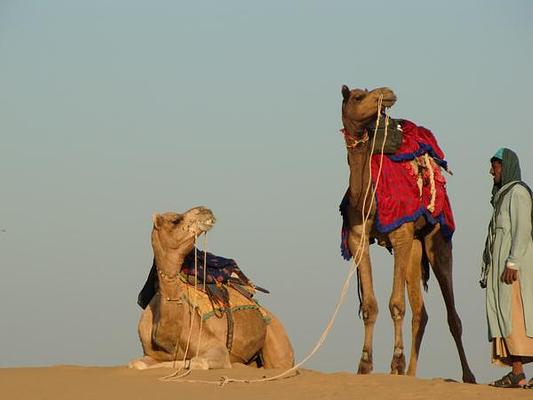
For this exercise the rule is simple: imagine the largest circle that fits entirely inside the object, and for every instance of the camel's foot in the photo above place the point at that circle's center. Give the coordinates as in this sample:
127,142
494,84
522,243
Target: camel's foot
137,364
142,363
365,364
149,363
397,365
411,371
468,377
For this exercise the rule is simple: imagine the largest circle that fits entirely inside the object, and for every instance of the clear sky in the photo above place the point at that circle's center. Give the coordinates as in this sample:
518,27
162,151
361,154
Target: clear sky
110,111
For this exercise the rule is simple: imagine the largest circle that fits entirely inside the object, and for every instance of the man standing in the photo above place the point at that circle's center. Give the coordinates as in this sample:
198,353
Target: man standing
507,270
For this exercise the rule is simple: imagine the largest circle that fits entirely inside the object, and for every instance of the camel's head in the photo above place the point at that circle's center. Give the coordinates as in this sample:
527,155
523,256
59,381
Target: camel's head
178,231
359,107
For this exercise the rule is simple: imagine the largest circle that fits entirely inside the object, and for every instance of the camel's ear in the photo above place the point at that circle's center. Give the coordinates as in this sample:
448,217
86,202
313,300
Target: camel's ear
157,220
345,92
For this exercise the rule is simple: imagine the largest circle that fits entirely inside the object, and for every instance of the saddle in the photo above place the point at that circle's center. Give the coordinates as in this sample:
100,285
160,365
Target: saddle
220,274
221,302
219,271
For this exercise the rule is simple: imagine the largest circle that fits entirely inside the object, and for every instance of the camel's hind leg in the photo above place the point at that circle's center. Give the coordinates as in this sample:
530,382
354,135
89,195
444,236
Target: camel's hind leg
277,350
416,301
439,253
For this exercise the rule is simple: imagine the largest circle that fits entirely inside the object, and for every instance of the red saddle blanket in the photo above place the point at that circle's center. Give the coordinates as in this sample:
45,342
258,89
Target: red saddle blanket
407,187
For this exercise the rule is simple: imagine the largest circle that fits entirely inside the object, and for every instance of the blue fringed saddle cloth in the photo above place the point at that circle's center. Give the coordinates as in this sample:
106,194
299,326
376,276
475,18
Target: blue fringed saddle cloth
219,271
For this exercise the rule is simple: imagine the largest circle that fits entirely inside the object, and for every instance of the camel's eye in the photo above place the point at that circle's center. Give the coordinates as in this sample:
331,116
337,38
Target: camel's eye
359,97
176,220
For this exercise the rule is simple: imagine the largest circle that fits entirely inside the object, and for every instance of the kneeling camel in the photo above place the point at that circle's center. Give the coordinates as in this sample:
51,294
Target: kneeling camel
173,333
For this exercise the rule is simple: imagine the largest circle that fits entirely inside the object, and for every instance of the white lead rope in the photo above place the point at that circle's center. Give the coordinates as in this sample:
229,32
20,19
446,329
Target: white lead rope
357,257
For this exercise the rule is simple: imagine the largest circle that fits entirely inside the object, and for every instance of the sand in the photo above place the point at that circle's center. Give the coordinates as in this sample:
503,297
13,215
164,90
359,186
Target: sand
80,383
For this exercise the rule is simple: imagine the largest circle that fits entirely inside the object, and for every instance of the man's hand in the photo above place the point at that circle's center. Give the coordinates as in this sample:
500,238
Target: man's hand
509,275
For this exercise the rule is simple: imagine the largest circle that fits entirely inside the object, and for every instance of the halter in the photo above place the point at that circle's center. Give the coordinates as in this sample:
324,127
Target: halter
351,141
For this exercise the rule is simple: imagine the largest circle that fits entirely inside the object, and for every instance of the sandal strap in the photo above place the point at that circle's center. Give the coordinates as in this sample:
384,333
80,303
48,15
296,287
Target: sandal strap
510,379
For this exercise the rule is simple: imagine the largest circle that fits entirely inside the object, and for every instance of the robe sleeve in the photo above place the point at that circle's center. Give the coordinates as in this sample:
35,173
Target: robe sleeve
520,213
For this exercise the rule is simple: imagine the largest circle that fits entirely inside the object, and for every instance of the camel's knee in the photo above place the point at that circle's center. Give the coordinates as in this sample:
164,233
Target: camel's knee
420,318
454,323
369,311
397,310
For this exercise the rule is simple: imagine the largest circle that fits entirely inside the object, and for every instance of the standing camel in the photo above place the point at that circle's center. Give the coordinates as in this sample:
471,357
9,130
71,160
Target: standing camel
421,236
173,330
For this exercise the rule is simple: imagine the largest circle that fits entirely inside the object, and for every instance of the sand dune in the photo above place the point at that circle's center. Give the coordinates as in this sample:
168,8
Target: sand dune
75,382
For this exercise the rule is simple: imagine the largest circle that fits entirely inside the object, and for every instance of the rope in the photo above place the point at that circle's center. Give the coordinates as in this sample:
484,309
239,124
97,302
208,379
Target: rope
174,375
354,267
429,166
203,289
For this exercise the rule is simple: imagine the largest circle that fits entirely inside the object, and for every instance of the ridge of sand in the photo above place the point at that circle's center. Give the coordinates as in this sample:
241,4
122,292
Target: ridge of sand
80,383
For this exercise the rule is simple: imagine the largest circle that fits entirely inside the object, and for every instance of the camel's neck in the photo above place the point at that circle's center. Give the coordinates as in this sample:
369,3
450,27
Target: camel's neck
353,128
358,160
356,128
169,308
168,268
169,263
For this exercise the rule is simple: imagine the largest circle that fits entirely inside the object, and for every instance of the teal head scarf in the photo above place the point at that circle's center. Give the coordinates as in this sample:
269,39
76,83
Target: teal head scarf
499,154
510,168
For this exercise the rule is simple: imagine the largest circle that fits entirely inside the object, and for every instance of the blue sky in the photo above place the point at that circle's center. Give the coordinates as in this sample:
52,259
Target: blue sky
111,111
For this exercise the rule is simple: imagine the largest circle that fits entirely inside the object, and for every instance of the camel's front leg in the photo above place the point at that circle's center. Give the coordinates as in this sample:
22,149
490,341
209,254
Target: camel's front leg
414,293
208,350
369,305
402,243
196,363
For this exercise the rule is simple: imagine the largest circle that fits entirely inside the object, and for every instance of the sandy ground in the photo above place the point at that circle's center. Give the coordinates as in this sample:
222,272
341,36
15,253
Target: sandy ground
74,382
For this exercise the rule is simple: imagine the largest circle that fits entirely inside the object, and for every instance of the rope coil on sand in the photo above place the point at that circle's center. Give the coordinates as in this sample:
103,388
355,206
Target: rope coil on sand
224,380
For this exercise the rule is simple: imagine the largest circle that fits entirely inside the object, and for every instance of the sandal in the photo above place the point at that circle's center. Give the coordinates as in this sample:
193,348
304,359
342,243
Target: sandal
529,385
509,381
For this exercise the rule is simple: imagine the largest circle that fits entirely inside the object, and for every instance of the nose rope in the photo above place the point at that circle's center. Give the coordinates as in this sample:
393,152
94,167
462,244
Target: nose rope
204,277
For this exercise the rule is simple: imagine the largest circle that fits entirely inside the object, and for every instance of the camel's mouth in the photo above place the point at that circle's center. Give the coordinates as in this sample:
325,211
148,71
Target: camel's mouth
206,224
